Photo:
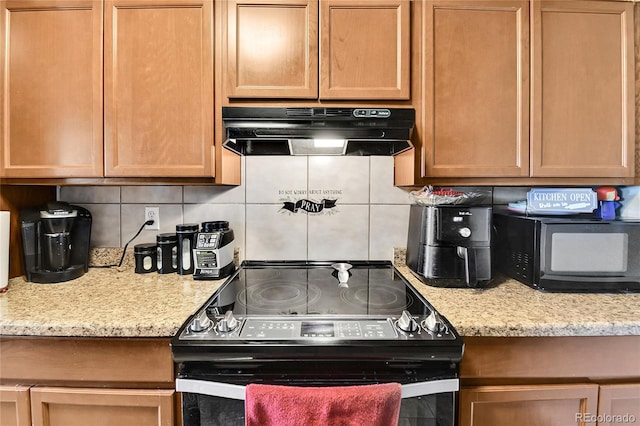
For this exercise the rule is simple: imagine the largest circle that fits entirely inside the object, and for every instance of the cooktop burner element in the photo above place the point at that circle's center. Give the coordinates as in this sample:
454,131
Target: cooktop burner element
348,308
385,299
271,297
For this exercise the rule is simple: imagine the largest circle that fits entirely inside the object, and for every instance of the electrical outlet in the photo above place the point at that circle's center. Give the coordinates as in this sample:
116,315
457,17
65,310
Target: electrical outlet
152,213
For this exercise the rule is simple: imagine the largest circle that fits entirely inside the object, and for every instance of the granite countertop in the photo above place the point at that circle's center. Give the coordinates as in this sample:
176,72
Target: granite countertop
105,302
508,308
116,302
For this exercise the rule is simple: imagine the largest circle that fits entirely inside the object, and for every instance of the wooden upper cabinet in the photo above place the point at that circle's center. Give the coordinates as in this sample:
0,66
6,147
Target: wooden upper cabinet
476,88
583,89
158,83
274,49
51,83
364,49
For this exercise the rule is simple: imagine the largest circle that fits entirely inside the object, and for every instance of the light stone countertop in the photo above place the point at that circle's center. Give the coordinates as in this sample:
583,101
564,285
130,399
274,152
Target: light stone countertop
119,303
508,308
105,302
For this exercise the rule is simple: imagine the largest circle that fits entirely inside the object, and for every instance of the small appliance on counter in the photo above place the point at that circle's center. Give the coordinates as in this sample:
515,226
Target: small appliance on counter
213,252
55,240
568,253
450,245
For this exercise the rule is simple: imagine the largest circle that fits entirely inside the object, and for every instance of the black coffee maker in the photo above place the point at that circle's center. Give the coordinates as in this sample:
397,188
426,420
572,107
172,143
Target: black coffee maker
450,245
55,240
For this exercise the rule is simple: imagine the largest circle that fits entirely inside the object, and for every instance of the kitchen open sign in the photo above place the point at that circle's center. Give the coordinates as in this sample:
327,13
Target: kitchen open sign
550,200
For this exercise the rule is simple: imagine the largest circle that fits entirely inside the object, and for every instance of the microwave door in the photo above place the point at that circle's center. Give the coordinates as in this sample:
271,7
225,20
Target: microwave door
594,256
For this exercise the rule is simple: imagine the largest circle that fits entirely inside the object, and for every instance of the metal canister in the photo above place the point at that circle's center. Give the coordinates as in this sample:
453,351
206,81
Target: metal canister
145,258
186,233
167,253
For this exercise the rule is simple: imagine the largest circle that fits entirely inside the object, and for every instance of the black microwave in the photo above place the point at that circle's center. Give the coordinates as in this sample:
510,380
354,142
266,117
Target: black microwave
568,253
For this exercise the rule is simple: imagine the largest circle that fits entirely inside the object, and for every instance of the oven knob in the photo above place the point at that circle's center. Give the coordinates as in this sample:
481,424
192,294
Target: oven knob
464,232
228,323
434,323
200,323
406,323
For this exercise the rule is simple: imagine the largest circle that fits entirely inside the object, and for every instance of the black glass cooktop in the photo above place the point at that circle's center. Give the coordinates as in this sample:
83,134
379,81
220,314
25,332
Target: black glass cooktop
317,288
269,311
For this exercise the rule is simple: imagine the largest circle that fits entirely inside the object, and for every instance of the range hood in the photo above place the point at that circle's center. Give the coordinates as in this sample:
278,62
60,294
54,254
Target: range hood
317,131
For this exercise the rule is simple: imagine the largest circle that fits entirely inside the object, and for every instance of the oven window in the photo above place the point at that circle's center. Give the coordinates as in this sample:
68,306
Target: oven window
589,252
203,410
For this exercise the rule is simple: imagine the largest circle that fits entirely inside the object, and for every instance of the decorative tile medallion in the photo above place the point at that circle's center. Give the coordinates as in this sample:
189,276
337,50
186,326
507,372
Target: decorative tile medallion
314,201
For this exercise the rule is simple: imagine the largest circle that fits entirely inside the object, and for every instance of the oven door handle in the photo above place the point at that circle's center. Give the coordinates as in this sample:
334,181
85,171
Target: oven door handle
226,390
203,387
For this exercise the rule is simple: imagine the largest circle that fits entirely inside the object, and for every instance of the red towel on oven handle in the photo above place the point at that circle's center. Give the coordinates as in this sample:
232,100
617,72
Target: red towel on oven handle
274,405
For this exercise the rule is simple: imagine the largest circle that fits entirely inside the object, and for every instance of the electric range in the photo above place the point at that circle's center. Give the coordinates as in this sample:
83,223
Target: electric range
316,324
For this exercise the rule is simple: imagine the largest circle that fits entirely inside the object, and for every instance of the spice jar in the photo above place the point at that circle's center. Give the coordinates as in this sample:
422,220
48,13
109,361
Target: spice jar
167,253
145,258
186,233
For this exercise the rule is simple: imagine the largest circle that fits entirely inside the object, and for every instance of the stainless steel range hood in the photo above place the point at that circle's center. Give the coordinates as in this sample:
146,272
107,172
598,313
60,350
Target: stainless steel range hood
317,131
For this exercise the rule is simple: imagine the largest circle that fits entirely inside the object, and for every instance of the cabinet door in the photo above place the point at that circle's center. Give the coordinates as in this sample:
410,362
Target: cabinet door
51,83
619,404
476,88
583,89
364,49
272,48
101,407
158,88
14,406
535,405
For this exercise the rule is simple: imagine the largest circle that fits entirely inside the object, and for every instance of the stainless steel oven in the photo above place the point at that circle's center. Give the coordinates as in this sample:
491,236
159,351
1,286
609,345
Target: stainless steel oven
316,324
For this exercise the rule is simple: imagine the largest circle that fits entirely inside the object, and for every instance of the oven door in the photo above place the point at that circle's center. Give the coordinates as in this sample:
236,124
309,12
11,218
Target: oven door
217,397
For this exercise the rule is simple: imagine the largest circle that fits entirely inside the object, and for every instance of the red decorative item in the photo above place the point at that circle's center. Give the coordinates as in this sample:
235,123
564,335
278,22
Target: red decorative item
447,192
607,202
430,196
607,193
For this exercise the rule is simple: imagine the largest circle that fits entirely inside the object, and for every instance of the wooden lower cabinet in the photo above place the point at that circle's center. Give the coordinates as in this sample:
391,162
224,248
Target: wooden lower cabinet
550,381
58,406
550,405
619,403
57,381
70,406
14,406
533,405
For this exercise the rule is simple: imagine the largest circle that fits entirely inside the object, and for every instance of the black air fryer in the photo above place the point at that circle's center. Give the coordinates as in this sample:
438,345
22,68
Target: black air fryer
450,245
55,240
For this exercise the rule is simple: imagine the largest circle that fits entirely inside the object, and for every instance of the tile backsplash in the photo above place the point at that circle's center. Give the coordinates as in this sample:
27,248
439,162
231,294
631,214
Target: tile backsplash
287,208
298,208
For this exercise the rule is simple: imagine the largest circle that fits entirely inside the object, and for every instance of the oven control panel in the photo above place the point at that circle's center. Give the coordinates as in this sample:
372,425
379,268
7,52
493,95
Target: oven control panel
282,330
320,329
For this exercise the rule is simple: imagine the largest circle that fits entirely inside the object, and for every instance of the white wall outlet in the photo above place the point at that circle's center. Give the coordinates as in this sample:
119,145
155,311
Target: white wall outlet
152,213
